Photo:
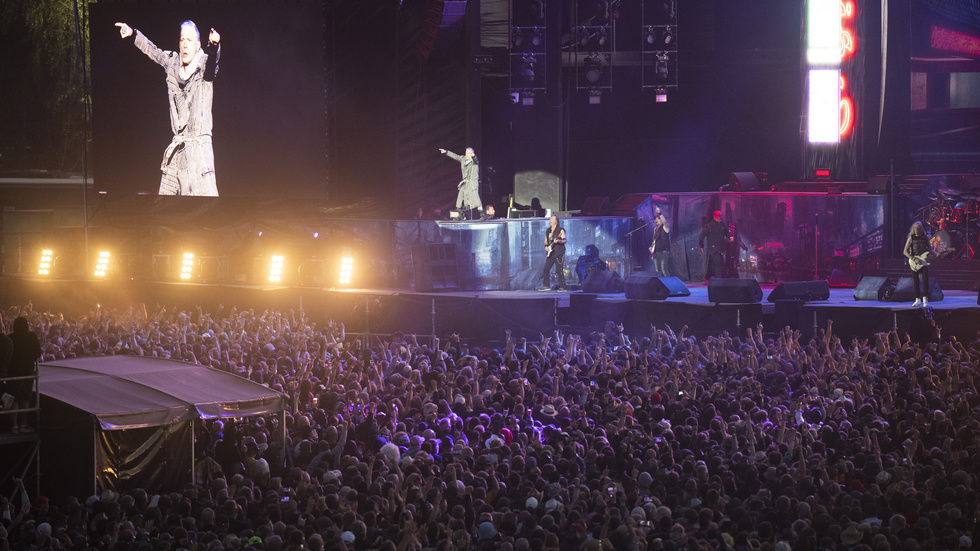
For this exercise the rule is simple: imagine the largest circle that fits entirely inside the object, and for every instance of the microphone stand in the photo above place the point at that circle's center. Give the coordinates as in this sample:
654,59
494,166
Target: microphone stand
816,246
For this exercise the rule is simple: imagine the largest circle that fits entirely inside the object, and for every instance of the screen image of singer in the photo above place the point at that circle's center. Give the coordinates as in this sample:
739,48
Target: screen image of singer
267,111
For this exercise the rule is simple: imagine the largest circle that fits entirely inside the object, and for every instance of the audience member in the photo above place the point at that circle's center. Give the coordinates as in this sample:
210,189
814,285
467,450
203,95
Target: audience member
607,441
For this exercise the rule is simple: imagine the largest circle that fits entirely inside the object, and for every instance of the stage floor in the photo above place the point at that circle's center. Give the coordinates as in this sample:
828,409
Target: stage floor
957,315
483,316
840,297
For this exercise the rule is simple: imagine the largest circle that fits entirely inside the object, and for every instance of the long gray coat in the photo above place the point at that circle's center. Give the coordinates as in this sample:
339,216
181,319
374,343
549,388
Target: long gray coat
188,162
469,186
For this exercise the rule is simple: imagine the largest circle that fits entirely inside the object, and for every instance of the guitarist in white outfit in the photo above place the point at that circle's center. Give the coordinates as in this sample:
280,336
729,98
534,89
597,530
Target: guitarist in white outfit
918,249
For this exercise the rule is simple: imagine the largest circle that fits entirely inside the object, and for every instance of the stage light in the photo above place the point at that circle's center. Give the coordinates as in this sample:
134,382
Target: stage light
346,270
661,69
603,38
661,95
668,37
593,69
595,97
536,37
44,267
102,264
187,266
823,109
651,35
823,34
583,37
316,234
527,69
275,269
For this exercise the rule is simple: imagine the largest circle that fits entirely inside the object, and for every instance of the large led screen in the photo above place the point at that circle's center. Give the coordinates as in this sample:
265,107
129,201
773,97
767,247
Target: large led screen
168,122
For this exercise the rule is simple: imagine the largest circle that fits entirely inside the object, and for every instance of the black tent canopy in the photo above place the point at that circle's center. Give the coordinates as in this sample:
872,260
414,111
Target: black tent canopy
117,422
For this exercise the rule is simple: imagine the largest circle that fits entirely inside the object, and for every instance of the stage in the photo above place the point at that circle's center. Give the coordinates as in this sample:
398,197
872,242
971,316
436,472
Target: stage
483,316
477,278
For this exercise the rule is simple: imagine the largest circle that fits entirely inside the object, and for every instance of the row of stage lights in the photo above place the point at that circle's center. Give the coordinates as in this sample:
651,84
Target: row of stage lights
189,267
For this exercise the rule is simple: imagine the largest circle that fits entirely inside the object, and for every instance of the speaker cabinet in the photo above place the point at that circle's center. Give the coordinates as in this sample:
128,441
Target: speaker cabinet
874,288
604,282
435,267
905,292
645,286
734,290
743,181
801,290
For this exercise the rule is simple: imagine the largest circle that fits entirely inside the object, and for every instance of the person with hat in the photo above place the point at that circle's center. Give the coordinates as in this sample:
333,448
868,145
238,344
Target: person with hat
713,236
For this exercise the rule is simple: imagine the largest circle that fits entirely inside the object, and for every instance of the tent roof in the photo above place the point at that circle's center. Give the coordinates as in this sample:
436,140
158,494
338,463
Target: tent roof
125,392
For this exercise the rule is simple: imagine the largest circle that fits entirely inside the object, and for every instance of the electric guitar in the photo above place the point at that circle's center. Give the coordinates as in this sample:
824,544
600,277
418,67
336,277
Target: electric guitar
552,239
919,262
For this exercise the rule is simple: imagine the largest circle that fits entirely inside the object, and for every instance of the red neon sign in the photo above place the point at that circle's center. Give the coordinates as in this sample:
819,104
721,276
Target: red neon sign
848,45
846,110
848,38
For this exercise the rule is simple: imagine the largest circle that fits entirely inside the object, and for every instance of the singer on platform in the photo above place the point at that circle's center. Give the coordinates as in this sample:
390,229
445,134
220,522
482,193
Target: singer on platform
468,197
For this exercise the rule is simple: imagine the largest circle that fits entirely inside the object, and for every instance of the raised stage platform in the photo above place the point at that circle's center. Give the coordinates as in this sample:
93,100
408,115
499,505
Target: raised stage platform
482,316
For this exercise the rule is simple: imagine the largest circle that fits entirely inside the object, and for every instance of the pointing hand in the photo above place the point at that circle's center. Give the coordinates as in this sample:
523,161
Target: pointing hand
125,31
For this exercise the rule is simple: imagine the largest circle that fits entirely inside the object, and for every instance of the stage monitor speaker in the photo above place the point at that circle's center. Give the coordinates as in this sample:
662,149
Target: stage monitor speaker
596,206
524,213
645,286
435,267
904,291
801,290
743,181
734,290
874,288
604,282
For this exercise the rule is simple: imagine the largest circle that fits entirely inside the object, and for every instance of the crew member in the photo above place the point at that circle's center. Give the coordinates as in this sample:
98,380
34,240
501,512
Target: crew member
23,363
713,235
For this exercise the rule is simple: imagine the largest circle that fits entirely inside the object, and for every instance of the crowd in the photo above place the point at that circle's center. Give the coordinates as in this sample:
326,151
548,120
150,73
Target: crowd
596,441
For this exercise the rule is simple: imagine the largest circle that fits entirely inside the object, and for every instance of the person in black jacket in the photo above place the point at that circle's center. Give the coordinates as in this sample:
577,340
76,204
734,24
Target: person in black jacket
23,363
6,349
713,236
554,243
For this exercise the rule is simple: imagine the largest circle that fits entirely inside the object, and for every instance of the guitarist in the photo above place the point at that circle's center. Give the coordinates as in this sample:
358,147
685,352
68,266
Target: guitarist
554,244
917,249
